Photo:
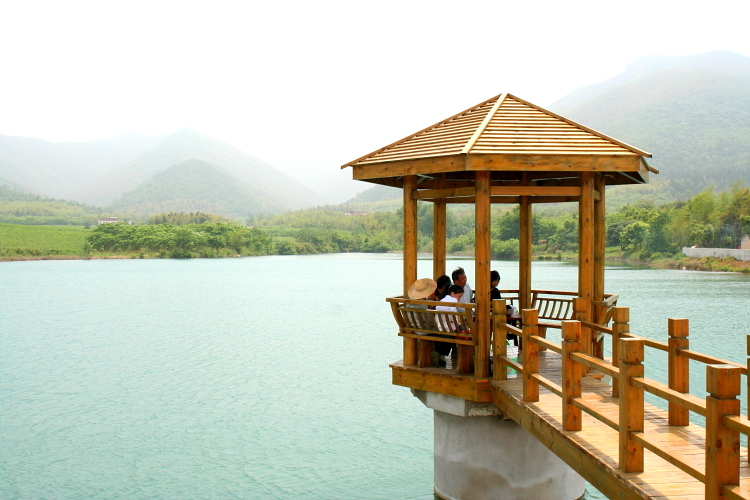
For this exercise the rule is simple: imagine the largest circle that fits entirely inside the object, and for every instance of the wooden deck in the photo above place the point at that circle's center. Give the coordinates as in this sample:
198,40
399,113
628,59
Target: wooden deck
592,451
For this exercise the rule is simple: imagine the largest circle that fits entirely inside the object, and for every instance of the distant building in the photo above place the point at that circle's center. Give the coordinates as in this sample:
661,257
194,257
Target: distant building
745,243
108,220
355,213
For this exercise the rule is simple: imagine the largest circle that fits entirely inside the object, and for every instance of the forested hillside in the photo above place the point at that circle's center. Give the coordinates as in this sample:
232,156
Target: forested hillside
195,186
692,113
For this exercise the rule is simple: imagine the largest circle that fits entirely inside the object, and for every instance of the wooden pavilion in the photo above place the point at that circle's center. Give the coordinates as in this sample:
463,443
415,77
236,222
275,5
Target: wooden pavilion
505,150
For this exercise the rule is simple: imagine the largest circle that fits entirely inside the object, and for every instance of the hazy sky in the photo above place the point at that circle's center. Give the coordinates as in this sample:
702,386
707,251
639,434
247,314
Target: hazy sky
312,85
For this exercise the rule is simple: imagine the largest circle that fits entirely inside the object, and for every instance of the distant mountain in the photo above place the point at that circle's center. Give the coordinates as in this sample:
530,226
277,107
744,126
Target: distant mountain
272,186
99,172
194,186
60,169
691,112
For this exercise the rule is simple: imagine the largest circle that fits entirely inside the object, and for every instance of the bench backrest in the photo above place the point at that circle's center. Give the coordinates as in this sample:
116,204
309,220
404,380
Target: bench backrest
416,317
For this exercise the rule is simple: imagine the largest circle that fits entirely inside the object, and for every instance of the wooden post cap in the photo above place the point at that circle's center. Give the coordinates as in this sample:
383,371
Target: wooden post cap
678,327
571,330
621,314
631,351
498,306
723,381
530,317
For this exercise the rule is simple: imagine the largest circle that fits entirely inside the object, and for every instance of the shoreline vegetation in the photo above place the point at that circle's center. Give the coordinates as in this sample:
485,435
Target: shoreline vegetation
223,240
642,233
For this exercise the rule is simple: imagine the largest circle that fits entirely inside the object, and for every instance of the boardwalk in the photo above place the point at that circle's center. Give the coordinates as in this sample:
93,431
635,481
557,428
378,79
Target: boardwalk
593,451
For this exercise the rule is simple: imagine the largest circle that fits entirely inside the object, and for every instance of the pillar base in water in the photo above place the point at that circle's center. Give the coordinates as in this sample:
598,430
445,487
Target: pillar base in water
479,455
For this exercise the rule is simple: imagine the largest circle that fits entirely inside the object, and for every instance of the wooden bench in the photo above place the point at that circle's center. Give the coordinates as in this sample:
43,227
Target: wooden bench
555,307
417,320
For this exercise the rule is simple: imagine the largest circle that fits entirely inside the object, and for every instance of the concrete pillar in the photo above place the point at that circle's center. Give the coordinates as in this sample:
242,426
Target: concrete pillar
479,455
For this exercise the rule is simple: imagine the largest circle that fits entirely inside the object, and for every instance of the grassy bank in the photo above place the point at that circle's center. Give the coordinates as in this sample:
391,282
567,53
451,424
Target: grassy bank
18,242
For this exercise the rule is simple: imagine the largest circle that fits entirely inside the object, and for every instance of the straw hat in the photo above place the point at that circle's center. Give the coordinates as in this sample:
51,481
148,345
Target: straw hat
421,289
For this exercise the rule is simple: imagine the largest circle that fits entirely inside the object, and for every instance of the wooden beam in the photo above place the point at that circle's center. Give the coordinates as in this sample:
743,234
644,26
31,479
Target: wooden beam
482,273
535,191
554,163
410,254
437,194
501,162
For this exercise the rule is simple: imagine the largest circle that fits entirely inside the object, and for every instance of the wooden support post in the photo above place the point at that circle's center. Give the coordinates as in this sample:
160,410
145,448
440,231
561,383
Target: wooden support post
581,307
438,239
410,254
438,235
600,233
482,241
499,340
748,388
530,318
679,368
525,251
722,443
571,372
620,325
586,244
631,405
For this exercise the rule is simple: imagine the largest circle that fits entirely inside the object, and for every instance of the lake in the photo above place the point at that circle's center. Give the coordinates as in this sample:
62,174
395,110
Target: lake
255,378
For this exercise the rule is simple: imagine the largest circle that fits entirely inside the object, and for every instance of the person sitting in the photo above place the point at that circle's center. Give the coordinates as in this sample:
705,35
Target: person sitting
422,289
447,323
494,281
443,282
460,279
495,295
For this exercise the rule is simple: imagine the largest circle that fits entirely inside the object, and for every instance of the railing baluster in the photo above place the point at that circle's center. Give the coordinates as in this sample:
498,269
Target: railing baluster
722,443
500,340
631,405
571,371
621,325
679,368
530,351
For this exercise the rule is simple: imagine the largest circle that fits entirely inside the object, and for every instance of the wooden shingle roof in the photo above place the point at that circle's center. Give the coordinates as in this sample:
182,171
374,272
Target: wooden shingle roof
503,125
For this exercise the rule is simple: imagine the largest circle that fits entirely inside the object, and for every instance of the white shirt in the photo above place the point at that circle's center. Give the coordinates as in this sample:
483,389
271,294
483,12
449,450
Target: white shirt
447,323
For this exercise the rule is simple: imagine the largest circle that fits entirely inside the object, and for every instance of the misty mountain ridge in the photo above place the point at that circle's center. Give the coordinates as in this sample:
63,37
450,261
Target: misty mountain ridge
194,186
102,171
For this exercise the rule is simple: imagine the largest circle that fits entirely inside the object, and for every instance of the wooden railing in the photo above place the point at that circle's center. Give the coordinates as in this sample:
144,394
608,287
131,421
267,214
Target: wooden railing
721,408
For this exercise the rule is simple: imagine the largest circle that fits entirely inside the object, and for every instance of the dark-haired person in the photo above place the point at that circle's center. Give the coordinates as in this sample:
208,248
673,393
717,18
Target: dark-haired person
494,281
460,279
441,290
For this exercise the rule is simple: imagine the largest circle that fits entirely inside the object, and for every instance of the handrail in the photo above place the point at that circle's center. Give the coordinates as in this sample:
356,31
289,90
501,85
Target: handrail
710,360
597,327
688,401
546,343
596,364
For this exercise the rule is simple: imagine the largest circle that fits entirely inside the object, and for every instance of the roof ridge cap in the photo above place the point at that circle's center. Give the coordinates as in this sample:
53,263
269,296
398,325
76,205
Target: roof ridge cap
482,126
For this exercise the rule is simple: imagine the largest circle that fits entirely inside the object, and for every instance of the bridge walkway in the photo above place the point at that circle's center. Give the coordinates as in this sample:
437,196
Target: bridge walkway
593,451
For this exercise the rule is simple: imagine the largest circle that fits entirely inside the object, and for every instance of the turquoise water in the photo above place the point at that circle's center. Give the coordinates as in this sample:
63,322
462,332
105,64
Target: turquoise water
253,378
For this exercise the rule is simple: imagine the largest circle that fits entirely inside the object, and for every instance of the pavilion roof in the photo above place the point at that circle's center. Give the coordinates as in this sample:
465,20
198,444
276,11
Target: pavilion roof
502,125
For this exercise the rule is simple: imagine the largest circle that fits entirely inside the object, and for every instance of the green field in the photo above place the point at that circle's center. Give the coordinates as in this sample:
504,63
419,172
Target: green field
39,241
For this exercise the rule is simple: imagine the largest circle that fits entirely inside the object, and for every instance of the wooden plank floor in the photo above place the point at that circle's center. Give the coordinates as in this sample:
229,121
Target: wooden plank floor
593,451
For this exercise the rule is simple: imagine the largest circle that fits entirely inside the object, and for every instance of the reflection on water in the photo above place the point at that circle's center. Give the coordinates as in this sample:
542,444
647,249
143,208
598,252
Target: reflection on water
251,378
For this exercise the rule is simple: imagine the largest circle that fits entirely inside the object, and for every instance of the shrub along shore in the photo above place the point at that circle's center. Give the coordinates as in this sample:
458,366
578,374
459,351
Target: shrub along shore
217,240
